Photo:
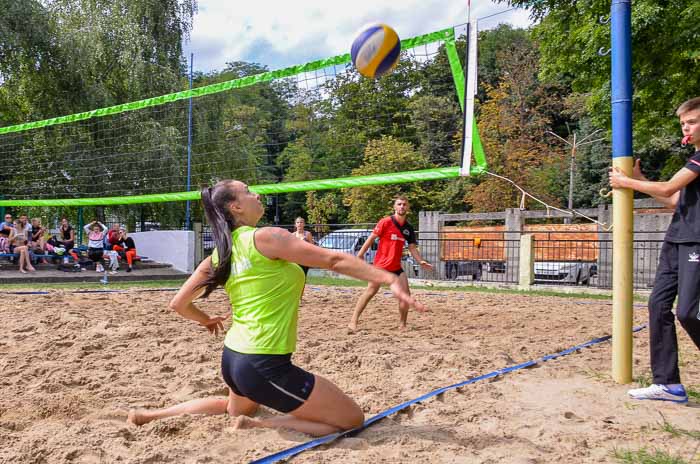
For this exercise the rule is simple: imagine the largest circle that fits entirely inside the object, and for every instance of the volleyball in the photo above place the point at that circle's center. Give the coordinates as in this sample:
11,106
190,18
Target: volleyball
375,51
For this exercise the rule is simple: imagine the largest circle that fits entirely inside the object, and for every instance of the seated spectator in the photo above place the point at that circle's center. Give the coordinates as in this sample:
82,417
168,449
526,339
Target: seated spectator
24,228
6,228
126,246
96,249
18,245
38,238
112,237
66,235
66,238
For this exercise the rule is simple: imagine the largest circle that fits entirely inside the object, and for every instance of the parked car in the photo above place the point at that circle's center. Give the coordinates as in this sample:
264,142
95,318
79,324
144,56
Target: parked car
495,266
349,241
578,273
474,269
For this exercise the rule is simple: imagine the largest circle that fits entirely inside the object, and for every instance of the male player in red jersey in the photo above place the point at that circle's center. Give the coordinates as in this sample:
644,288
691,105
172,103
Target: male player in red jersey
393,231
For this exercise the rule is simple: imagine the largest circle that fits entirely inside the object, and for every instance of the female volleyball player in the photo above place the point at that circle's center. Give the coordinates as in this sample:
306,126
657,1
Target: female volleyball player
256,268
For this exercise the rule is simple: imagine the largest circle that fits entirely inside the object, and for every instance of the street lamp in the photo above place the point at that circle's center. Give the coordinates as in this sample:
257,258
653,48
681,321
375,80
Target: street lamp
574,144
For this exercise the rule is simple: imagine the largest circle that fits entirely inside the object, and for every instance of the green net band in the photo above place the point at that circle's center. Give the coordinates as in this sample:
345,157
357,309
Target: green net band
443,35
264,189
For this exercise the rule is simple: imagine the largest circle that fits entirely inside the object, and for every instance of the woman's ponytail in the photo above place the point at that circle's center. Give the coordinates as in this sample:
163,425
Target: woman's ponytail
216,200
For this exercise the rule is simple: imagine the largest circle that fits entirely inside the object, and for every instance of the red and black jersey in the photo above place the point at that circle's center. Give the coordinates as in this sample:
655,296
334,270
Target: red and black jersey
392,237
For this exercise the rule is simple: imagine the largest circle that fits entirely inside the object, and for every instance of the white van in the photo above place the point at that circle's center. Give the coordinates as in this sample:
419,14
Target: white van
349,241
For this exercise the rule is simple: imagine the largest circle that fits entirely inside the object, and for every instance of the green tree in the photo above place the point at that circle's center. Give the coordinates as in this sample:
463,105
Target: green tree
665,51
512,125
387,155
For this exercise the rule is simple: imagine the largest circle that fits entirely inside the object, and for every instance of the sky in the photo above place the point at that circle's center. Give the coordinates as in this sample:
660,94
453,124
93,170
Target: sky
280,33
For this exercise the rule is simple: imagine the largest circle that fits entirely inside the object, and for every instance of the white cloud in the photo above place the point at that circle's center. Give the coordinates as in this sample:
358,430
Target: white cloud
279,33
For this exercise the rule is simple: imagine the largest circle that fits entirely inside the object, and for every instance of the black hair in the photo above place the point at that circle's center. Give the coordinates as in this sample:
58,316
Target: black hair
216,200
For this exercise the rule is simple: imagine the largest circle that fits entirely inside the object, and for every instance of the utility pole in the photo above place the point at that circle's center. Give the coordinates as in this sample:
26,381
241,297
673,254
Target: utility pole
574,144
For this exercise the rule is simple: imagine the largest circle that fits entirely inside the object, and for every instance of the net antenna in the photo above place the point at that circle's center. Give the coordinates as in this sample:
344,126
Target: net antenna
469,94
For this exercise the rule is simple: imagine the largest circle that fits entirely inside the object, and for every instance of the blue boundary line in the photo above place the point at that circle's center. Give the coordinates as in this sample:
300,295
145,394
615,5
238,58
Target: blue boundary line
293,451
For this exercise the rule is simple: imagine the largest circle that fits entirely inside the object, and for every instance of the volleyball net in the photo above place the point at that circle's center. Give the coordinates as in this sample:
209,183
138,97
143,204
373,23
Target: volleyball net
297,129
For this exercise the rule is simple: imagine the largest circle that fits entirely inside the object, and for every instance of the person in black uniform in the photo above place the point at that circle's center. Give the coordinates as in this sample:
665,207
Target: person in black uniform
678,273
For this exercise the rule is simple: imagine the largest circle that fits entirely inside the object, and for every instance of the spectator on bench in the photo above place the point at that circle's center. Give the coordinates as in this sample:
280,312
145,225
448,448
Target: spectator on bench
66,238
18,245
126,246
96,248
23,228
38,238
6,228
112,237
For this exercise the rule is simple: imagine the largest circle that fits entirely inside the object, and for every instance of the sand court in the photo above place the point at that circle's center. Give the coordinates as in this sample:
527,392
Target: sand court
72,365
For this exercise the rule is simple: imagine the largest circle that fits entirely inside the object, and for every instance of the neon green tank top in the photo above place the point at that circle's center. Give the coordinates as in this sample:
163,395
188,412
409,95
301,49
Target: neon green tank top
264,295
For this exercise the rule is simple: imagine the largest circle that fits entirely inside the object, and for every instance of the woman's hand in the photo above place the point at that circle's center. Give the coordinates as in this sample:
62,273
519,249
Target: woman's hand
617,178
215,324
401,295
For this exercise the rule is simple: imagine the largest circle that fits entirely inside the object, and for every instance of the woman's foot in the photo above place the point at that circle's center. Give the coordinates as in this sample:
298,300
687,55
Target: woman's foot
244,422
128,269
137,417
22,271
31,269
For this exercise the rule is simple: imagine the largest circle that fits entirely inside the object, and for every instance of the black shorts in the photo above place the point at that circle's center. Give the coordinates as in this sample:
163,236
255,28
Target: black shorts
95,254
305,269
398,272
268,379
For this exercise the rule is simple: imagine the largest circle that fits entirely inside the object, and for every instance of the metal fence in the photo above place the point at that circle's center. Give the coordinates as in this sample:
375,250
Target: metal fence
558,261
588,262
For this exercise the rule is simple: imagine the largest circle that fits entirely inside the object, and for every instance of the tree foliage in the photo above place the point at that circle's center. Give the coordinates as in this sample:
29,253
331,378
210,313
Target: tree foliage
386,155
63,56
665,53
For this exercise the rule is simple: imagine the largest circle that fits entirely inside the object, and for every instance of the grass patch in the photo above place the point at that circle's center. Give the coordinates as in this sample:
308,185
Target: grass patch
679,432
596,375
312,280
643,456
693,393
93,285
340,282
644,380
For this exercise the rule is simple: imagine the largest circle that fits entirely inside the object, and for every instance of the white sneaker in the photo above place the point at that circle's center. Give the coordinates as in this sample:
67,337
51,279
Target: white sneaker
660,393
99,268
112,272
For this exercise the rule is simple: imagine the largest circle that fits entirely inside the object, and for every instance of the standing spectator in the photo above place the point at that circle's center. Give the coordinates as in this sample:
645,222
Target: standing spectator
6,228
302,234
127,246
678,273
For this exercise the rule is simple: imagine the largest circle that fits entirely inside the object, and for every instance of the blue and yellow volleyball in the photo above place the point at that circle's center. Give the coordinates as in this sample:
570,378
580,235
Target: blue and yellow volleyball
376,50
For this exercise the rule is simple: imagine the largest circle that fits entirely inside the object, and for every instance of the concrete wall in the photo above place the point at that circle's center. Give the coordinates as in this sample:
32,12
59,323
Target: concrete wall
174,247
